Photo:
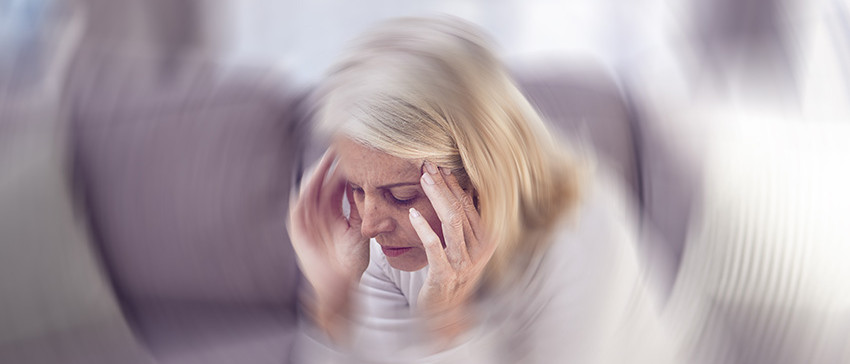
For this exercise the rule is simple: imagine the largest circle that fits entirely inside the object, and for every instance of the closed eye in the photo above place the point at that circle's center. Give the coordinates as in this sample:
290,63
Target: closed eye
404,201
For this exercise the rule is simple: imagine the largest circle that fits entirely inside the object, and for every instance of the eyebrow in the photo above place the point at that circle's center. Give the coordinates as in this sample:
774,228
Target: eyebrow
389,185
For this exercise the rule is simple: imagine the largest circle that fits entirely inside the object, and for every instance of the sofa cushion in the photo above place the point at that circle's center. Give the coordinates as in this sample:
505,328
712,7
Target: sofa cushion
187,168
195,333
56,304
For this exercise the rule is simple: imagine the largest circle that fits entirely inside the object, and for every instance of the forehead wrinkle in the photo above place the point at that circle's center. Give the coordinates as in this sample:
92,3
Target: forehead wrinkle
387,179
378,173
369,167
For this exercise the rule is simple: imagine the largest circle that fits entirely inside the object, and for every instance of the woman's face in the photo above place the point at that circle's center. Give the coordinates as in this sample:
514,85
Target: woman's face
384,188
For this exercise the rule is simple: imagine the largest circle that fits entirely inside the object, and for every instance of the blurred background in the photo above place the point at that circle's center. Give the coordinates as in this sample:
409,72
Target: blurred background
307,36
147,150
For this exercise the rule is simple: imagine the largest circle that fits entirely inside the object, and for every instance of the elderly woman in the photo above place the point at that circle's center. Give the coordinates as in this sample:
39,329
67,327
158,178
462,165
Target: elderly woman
470,235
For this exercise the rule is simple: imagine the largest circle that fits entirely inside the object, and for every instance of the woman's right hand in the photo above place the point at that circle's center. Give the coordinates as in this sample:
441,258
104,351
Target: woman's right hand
332,254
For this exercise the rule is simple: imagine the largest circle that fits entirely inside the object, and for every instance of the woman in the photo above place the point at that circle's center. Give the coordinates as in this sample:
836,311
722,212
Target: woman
458,244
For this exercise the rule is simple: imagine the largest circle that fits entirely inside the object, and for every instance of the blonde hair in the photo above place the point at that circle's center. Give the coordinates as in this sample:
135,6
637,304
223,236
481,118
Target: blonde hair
430,88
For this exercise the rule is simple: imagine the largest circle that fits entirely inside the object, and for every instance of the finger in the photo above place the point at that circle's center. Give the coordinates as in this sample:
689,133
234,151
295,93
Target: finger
310,206
311,192
297,213
448,209
437,258
295,227
466,201
332,190
469,237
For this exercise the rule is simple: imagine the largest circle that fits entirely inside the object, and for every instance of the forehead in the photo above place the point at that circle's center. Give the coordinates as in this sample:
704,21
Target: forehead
367,166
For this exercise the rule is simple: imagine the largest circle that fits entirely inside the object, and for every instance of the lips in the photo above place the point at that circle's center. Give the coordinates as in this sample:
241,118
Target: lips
394,252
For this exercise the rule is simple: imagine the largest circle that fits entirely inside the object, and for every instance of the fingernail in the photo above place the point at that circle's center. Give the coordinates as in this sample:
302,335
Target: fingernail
414,213
431,167
428,178
446,171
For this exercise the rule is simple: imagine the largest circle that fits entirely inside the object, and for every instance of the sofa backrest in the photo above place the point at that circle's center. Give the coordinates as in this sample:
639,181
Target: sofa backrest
186,167
582,103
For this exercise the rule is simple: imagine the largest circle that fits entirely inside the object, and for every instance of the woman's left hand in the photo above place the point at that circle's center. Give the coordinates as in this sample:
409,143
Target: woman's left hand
456,270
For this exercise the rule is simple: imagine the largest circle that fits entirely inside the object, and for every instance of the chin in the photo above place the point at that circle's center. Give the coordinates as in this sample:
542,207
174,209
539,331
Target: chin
410,263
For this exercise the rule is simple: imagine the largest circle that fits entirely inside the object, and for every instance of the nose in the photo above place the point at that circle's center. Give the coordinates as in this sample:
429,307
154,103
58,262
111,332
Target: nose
375,217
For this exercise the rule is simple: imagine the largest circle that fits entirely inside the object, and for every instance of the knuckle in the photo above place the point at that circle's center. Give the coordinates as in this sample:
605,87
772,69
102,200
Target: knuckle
456,206
466,200
455,220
